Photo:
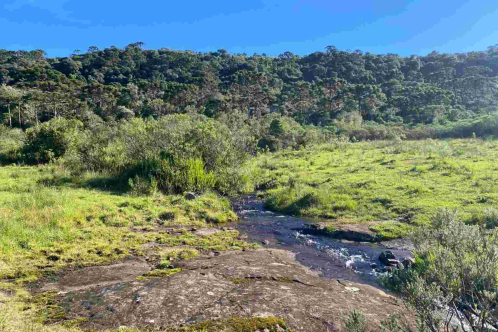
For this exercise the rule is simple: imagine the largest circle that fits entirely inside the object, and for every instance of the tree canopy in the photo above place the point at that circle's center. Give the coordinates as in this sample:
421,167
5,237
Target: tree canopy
314,89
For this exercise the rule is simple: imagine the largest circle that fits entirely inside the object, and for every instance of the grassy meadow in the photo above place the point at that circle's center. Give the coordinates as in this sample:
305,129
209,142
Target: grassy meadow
398,184
50,220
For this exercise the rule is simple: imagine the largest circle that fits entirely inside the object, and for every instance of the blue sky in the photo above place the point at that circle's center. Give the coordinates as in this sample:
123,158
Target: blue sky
264,26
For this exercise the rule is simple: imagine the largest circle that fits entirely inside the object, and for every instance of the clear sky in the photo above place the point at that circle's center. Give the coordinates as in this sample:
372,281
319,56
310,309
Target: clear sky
256,26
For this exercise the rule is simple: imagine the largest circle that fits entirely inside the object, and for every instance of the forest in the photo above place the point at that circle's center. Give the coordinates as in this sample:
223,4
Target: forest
320,89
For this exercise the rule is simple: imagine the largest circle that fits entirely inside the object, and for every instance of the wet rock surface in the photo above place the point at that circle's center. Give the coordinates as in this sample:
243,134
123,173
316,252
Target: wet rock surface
89,277
263,282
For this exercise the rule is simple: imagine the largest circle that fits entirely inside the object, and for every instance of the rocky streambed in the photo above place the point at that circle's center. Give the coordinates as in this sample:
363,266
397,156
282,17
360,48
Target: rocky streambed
308,280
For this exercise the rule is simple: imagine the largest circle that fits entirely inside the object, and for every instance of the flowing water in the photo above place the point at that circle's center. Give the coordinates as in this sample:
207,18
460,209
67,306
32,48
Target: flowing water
333,258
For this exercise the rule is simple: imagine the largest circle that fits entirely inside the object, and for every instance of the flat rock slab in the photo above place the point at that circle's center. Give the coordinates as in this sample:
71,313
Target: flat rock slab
98,276
264,282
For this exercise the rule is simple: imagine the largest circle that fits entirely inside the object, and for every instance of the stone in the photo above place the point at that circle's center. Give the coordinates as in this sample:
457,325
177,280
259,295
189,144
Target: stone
408,262
190,196
392,262
385,256
243,278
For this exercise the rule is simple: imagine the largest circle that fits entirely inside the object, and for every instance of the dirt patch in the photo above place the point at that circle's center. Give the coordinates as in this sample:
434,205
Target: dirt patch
265,282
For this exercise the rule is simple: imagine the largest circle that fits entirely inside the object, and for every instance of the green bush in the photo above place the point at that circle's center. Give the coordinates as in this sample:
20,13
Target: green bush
51,140
174,154
11,143
280,132
456,268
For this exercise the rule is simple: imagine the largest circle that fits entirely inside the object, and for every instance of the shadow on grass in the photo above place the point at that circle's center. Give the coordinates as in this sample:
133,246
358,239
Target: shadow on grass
108,184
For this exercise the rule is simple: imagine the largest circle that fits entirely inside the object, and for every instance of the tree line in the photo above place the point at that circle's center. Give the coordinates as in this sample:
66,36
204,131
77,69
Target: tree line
317,89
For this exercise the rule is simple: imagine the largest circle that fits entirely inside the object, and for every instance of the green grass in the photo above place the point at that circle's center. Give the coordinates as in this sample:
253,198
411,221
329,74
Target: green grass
50,220
49,227
399,183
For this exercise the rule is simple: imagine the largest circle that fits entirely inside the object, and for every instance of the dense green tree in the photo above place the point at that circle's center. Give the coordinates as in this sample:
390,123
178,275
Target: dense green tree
317,88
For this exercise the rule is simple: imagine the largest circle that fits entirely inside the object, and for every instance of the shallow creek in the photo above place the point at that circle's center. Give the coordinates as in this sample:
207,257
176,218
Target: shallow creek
333,258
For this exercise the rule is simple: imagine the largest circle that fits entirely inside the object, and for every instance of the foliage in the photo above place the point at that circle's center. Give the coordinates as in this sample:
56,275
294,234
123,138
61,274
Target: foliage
12,142
51,140
174,154
319,89
455,275
355,322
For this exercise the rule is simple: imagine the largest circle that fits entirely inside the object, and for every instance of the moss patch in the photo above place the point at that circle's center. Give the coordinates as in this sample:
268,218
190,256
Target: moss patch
162,273
236,324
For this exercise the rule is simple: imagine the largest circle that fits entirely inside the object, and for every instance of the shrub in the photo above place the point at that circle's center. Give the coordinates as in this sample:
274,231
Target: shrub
455,275
11,143
51,140
355,322
280,132
174,154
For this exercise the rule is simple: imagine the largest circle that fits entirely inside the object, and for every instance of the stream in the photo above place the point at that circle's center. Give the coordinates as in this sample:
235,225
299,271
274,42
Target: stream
332,258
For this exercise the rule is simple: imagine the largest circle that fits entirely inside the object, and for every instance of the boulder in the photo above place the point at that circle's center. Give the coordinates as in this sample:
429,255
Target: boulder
385,256
190,196
408,262
392,262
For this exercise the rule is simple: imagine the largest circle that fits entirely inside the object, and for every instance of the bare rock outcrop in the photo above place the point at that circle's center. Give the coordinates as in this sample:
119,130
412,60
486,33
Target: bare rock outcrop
264,282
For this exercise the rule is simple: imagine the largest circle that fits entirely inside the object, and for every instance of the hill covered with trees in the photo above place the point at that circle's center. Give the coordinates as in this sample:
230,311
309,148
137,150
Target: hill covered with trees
315,89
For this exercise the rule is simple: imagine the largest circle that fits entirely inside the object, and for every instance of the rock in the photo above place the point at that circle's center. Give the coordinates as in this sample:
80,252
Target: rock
89,277
350,232
408,262
172,300
190,196
392,262
385,256
206,231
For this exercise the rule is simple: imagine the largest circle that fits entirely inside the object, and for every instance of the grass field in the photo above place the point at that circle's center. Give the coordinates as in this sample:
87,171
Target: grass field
49,220
398,183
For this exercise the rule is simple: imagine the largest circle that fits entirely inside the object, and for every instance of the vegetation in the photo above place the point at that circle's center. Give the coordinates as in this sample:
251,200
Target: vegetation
322,88
50,220
399,184
453,285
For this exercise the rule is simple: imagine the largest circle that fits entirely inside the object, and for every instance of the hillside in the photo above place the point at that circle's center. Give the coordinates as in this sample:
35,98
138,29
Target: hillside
314,89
